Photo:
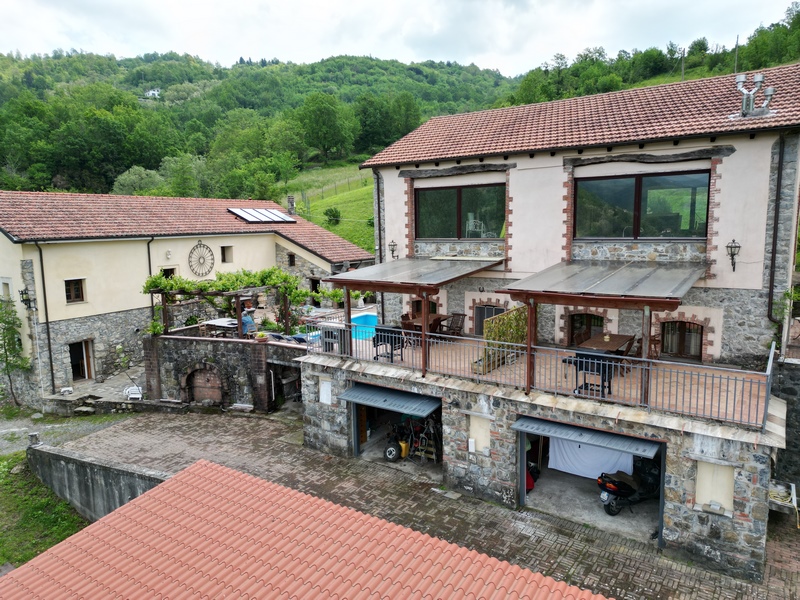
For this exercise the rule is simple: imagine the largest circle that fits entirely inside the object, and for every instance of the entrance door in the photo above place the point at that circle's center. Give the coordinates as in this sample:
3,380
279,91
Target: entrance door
205,387
80,359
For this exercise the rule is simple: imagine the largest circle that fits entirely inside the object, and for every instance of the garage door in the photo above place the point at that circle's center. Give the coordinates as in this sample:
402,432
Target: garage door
407,403
590,437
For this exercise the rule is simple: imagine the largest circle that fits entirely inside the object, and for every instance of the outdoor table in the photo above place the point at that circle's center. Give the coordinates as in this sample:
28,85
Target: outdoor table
225,325
417,322
614,343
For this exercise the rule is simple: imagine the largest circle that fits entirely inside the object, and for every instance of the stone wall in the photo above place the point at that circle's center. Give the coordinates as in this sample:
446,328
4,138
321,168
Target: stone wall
786,385
476,248
248,370
93,487
659,251
733,543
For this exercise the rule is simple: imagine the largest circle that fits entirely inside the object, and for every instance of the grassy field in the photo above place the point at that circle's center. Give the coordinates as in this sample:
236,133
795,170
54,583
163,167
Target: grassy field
356,210
32,518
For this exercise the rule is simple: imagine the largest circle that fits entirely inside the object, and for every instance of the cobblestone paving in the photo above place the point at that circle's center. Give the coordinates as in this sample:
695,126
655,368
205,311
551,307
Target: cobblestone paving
602,562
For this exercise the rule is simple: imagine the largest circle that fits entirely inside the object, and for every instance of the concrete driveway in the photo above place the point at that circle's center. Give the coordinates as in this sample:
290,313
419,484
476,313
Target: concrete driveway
271,447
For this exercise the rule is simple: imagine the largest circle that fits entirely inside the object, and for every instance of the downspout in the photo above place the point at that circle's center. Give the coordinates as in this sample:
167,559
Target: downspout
149,273
47,321
775,223
376,176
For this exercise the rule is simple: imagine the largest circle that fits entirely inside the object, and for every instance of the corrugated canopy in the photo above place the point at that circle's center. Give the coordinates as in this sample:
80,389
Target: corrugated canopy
405,403
591,437
411,273
619,283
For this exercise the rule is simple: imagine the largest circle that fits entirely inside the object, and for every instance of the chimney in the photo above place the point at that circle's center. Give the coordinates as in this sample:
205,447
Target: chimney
749,96
290,205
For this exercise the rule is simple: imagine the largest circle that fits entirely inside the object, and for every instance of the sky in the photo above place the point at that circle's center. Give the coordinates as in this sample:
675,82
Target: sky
511,36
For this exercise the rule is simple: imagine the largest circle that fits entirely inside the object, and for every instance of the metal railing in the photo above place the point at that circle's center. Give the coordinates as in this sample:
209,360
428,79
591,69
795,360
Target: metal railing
720,394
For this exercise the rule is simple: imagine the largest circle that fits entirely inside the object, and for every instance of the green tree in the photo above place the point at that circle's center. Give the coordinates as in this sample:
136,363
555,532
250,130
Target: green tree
136,180
405,114
11,343
328,124
374,117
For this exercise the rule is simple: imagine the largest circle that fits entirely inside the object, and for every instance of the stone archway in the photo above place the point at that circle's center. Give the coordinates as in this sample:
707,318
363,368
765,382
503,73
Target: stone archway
204,385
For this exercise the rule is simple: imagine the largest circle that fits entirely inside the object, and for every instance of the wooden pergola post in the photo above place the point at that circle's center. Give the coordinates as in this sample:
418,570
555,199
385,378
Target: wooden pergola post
424,337
348,321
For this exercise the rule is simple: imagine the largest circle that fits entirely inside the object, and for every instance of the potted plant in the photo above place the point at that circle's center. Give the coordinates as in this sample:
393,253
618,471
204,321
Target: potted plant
261,336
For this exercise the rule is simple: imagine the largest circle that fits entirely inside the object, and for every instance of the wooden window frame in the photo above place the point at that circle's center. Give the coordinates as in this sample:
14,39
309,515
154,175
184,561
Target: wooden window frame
70,288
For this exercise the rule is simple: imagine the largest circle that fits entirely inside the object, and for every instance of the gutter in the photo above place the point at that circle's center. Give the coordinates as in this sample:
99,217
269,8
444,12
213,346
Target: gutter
47,321
775,223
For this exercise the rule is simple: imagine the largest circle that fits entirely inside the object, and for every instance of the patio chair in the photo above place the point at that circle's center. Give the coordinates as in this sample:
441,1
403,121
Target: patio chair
133,392
455,325
410,334
387,341
435,324
655,347
623,353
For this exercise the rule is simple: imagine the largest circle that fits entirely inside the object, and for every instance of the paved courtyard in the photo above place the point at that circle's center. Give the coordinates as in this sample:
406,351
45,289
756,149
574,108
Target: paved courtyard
271,447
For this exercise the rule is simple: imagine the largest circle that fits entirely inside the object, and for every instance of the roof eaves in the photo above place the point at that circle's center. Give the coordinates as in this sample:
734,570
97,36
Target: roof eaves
555,149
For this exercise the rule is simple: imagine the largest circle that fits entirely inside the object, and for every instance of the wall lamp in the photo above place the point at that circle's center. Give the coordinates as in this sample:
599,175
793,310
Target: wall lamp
733,248
30,303
393,248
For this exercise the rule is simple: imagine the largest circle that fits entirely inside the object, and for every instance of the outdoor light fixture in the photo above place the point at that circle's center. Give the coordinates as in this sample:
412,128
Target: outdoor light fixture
733,248
26,299
393,248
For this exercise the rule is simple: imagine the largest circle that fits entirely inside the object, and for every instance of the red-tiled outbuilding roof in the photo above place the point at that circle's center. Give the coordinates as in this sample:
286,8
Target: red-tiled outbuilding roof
35,216
671,111
212,532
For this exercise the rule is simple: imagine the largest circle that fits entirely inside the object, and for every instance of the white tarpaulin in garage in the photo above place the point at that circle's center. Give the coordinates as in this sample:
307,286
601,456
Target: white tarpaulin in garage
587,461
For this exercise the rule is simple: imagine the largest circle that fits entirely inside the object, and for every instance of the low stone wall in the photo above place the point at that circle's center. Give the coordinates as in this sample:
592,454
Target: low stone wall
93,487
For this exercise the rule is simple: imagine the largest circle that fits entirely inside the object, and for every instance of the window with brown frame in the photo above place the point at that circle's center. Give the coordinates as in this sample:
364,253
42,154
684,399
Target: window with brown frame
74,290
661,205
682,339
465,212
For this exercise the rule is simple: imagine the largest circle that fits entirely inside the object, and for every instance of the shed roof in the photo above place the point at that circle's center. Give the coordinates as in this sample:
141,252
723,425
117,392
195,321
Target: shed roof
412,273
677,110
38,216
213,532
640,282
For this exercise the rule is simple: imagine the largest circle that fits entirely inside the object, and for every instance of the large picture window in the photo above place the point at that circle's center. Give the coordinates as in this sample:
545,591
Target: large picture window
461,212
673,205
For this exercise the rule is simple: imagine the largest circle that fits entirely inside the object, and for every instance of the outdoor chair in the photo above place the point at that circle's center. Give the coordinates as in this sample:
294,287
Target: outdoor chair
410,334
133,392
623,353
387,341
455,325
655,347
435,324
591,363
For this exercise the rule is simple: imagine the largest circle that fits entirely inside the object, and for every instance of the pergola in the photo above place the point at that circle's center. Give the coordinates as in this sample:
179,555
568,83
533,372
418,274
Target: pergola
421,277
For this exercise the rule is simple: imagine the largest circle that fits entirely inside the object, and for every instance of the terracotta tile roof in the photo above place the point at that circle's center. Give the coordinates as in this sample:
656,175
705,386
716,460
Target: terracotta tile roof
677,110
32,216
213,532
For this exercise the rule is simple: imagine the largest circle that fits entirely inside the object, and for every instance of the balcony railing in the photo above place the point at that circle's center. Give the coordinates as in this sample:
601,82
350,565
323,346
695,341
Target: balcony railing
726,395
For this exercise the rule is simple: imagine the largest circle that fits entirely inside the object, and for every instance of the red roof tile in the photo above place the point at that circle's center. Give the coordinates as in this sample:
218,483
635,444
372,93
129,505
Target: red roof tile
34,216
213,532
677,110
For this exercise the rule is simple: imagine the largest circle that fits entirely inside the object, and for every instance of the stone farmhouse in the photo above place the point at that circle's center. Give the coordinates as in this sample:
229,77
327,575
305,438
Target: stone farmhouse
75,265
620,263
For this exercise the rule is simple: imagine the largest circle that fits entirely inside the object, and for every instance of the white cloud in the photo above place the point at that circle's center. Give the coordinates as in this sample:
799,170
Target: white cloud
513,36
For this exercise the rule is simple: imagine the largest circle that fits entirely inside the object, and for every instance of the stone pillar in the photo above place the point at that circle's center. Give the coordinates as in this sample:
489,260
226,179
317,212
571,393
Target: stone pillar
290,205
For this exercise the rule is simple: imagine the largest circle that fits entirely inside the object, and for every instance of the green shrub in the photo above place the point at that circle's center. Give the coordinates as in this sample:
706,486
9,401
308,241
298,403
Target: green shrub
332,215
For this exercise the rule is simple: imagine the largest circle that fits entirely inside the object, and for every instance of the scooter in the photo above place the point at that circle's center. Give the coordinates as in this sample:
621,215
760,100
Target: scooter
619,489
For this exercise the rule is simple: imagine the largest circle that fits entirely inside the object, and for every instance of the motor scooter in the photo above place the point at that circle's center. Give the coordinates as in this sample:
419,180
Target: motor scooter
619,489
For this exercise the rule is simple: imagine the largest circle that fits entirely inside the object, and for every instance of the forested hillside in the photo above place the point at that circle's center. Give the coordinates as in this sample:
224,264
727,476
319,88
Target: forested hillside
173,124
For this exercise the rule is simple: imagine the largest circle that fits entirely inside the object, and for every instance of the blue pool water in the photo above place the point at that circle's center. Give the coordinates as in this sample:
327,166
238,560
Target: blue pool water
364,326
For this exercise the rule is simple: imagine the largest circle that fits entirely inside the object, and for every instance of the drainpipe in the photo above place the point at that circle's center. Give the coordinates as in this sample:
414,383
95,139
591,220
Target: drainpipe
150,272
775,223
47,321
376,177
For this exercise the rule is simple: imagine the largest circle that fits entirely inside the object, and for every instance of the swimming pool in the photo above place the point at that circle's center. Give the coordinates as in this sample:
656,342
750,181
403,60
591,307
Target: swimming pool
364,326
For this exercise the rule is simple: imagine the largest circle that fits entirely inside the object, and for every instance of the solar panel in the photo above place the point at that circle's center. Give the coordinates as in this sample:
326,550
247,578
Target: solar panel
262,215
